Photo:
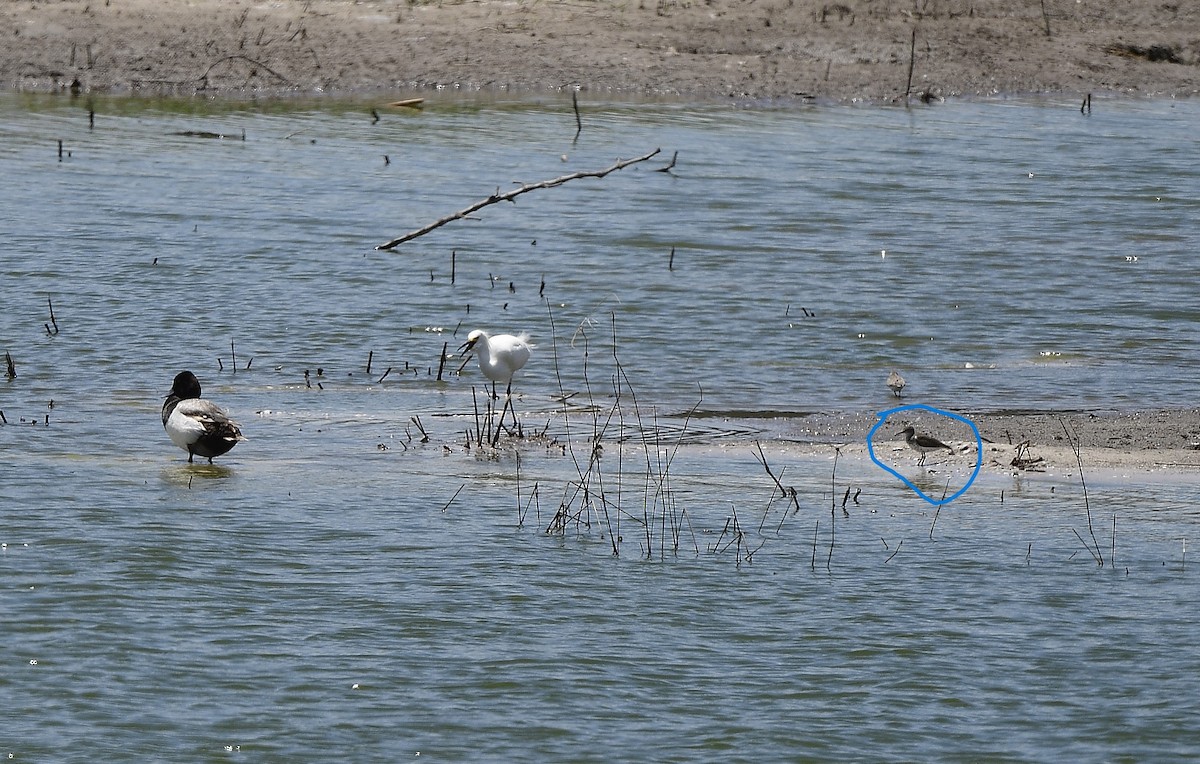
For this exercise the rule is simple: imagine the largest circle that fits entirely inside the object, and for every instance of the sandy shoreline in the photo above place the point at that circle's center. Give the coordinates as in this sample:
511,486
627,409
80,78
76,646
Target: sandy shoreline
1123,430
850,50
1113,443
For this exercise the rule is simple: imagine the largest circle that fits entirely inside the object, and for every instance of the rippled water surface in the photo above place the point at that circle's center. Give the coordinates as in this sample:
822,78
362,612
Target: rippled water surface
339,588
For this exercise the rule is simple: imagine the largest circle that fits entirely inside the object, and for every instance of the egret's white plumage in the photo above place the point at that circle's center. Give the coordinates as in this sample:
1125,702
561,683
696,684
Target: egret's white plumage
197,426
500,356
922,443
896,382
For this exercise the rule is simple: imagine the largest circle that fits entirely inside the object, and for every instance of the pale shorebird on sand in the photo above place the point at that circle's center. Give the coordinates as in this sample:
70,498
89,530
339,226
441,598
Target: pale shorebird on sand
197,426
922,443
896,382
499,357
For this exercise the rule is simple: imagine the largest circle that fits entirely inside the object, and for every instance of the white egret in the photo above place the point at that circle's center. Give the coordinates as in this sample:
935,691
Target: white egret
197,426
922,443
499,357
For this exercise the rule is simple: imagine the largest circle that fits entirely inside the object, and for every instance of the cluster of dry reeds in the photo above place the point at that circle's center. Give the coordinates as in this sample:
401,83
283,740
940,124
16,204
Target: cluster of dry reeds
622,458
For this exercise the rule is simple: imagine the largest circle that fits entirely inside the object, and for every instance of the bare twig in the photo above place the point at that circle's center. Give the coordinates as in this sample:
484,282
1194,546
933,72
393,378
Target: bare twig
1112,555
788,492
442,360
478,429
578,121
520,514
424,435
1071,440
912,58
893,554
508,196
52,319
260,64
452,498
816,527
1092,552
833,509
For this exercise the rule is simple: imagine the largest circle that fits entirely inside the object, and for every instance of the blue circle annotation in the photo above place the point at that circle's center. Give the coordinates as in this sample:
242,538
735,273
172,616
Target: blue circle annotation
883,417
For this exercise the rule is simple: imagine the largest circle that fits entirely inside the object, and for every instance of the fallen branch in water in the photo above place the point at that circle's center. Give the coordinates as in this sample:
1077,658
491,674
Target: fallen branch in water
510,195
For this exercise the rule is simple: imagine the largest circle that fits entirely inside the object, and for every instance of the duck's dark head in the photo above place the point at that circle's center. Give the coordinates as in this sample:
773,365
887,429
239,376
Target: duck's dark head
185,386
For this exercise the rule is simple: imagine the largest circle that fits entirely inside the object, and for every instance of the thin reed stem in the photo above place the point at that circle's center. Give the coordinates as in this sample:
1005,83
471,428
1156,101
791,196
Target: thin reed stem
1091,551
837,452
452,498
1075,447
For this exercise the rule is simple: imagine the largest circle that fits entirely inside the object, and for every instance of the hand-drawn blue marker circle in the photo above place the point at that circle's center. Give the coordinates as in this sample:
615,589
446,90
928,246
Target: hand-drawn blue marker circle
883,417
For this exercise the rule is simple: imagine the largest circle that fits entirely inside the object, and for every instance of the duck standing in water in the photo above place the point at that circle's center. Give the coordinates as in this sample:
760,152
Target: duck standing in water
197,426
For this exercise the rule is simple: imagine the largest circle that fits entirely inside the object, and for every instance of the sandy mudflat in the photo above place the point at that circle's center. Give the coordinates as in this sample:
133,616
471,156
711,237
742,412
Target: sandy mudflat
1112,443
707,49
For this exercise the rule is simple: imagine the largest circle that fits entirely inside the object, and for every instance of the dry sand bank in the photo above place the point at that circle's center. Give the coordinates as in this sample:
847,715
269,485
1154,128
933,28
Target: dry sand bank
759,49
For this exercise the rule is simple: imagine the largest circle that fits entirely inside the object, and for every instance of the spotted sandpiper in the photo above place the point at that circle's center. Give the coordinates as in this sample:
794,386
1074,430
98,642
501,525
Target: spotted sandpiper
922,443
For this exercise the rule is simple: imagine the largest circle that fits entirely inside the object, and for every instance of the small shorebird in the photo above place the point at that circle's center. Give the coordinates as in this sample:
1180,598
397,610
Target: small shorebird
922,443
896,382
499,357
197,426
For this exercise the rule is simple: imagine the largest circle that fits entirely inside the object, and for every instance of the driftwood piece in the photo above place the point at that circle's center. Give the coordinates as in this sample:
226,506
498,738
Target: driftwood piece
510,195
